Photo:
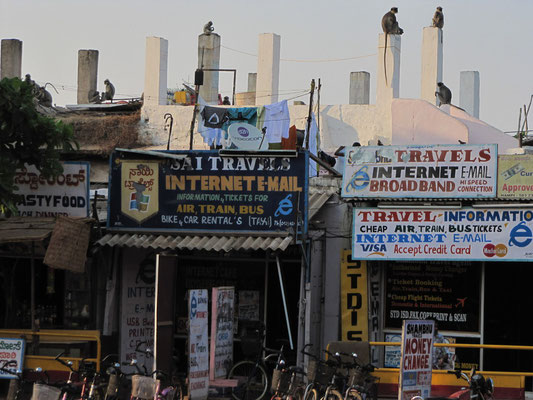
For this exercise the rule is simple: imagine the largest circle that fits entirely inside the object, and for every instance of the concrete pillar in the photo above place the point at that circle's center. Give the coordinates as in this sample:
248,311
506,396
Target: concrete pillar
209,57
267,85
388,88
252,81
431,72
87,74
11,59
155,71
359,87
469,92
245,99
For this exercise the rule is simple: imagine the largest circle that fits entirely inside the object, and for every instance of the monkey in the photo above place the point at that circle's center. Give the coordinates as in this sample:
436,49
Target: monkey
208,28
389,24
109,91
44,97
444,94
438,18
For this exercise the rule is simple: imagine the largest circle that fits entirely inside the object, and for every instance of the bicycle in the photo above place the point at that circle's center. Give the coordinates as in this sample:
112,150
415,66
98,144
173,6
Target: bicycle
253,379
40,389
361,384
286,383
321,376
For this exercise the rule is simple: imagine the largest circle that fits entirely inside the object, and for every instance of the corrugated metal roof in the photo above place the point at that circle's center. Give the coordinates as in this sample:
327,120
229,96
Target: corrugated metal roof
199,242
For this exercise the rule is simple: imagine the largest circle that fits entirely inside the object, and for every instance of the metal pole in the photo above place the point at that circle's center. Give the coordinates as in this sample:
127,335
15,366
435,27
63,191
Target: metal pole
310,112
284,303
234,83
196,92
265,308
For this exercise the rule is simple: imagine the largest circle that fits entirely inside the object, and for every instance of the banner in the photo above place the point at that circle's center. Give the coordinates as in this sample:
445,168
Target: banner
221,351
11,350
449,293
515,176
416,359
443,234
67,194
439,171
354,298
204,191
198,345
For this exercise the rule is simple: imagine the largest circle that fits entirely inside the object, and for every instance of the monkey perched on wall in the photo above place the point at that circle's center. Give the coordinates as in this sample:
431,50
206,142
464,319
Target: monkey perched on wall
438,18
109,91
389,24
444,94
208,28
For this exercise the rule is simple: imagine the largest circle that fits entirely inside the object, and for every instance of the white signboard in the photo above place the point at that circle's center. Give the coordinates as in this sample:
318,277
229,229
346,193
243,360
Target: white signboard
416,359
497,234
222,312
443,171
198,345
137,307
66,194
12,351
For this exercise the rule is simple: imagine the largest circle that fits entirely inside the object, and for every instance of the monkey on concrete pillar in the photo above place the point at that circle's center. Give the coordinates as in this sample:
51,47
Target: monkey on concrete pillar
438,18
209,28
109,91
389,24
444,94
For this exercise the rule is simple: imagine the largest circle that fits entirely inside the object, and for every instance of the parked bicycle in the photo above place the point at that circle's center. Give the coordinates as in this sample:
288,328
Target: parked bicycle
252,376
322,378
361,384
287,382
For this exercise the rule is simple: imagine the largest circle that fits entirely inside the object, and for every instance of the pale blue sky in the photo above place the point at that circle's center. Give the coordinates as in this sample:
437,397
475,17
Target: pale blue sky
490,36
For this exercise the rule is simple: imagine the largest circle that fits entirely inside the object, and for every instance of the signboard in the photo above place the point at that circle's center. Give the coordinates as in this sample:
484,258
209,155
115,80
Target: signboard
354,299
198,345
222,313
11,350
445,292
249,305
416,359
481,234
515,176
137,306
67,194
204,191
440,171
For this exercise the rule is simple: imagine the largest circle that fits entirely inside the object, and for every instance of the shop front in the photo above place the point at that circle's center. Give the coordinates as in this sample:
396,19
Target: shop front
201,220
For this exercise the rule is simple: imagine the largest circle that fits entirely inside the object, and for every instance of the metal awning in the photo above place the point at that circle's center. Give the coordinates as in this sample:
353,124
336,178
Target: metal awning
199,242
25,229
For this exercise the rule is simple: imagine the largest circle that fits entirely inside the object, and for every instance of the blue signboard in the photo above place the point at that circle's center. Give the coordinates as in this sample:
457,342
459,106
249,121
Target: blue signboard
207,191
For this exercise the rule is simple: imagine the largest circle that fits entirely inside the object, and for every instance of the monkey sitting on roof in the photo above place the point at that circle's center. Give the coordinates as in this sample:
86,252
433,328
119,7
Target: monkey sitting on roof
208,28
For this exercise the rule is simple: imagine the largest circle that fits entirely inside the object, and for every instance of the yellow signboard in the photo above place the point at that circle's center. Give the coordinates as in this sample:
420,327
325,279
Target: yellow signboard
139,189
354,298
515,176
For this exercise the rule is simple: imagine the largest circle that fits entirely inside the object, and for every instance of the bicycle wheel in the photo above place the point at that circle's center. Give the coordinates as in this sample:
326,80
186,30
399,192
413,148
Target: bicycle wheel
252,378
297,395
334,394
312,394
353,394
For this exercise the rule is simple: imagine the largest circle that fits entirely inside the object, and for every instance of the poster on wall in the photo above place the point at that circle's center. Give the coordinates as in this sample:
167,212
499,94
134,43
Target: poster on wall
449,293
354,299
515,176
11,356
222,316
137,307
248,305
420,171
198,344
205,191
473,234
66,195
416,359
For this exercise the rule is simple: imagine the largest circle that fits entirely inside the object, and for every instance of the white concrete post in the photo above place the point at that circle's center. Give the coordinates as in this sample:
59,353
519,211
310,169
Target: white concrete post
209,58
11,59
267,85
87,74
155,72
359,87
388,88
469,92
431,72
252,81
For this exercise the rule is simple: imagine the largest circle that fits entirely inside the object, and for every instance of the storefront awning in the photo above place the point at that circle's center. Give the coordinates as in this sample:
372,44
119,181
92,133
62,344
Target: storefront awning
192,242
25,229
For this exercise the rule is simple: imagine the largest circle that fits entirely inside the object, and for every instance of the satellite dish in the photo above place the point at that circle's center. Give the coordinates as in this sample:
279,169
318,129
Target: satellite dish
246,137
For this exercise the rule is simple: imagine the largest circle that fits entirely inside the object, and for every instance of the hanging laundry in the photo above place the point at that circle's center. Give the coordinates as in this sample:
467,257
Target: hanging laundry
212,136
242,114
215,117
276,120
313,140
